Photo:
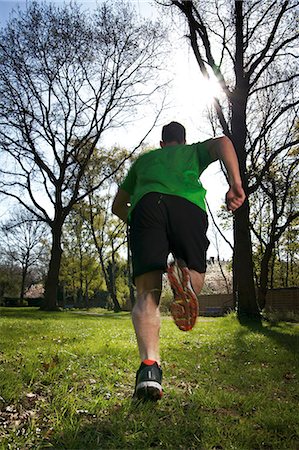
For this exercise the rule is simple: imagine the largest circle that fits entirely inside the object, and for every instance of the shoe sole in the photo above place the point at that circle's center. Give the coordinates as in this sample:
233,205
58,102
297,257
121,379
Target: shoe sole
148,390
184,308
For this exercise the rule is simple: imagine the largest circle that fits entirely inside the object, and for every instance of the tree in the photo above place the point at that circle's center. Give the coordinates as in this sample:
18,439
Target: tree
23,242
9,279
93,239
67,76
248,48
285,263
80,273
275,209
109,233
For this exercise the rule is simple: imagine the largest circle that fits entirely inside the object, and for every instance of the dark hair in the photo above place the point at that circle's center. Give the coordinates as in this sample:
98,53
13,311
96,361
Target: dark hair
174,131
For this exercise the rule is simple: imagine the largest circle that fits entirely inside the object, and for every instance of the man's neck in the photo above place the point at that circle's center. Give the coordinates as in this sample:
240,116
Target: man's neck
171,144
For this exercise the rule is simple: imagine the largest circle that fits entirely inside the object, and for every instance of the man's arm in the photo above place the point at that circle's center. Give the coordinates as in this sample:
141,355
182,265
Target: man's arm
120,204
222,148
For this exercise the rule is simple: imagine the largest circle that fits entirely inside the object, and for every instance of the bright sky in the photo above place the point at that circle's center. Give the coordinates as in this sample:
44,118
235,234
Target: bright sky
188,96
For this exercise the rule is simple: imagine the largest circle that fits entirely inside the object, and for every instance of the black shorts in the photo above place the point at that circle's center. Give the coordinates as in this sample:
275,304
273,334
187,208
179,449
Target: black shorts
163,224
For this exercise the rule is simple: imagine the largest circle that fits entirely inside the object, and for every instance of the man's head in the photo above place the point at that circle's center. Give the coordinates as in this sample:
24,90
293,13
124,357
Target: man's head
172,134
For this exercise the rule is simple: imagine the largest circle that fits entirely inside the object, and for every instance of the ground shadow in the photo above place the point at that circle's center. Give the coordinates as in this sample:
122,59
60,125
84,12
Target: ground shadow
278,332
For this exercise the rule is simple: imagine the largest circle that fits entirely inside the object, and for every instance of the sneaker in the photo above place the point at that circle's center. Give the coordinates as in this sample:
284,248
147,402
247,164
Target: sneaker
184,308
148,382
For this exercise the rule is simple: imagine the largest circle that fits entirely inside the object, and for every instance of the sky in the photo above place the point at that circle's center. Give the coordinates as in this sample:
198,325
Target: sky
187,98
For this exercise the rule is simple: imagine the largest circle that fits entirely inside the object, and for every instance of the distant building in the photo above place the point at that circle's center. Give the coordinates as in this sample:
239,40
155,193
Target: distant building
35,291
217,280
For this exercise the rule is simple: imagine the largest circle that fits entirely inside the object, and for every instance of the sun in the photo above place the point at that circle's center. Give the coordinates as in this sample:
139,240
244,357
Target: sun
208,89
191,87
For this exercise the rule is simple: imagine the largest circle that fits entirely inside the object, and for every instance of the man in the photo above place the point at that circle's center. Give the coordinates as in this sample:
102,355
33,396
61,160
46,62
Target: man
164,203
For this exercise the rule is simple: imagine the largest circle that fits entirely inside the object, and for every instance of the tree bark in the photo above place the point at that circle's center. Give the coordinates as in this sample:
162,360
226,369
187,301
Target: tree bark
244,290
243,264
24,275
264,276
112,287
51,285
107,277
272,270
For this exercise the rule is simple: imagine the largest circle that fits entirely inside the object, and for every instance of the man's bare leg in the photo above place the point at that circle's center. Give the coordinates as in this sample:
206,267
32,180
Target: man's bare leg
197,280
146,314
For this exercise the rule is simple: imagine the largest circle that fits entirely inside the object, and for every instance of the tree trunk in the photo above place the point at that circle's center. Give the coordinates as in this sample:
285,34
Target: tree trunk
86,296
222,273
24,274
243,263
244,290
243,270
287,271
264,276
272,270
112,287
51,285
116,305
113,279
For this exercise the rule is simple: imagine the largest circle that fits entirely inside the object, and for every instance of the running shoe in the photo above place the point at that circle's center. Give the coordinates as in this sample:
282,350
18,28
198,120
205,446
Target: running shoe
148,382
184,308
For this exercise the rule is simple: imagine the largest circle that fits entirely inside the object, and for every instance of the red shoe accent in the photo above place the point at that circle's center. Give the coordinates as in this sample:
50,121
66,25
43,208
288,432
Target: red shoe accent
149,362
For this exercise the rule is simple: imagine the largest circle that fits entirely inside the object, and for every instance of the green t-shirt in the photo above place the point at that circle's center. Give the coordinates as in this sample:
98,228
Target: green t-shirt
171,170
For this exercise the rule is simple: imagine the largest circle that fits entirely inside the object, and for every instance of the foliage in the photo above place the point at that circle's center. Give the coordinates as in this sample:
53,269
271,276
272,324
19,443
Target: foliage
82,273
10,280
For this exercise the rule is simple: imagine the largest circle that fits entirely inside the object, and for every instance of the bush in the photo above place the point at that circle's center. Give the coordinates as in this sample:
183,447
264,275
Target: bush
13,302
35,301
279,316
166,299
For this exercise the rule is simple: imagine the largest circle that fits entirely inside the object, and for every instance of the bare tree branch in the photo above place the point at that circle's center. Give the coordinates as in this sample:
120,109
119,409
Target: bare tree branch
270,39
217,227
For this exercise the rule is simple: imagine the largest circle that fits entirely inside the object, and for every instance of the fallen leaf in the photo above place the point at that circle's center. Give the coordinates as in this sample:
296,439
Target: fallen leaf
10,408
289,376
31,396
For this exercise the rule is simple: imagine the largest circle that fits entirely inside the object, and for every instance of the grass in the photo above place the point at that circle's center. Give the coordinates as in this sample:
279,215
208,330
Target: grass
66,383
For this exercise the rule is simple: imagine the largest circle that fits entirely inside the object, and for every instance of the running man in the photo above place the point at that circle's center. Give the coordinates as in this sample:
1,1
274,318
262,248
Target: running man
163,201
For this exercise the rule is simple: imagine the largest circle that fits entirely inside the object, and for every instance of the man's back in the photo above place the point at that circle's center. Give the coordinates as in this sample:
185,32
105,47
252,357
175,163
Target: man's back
173,170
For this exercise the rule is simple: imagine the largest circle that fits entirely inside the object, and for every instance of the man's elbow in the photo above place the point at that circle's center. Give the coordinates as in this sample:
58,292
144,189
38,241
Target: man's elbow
118,209
120,204
223,144
114,208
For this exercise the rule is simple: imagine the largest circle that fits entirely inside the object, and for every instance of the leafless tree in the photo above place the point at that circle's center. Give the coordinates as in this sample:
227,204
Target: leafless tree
67,76
23,242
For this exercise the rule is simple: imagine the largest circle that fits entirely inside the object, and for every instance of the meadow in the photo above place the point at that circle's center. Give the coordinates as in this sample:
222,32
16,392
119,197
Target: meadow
66,382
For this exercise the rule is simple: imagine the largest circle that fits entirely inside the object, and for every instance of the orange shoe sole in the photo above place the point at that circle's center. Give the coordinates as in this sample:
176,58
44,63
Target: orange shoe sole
184,308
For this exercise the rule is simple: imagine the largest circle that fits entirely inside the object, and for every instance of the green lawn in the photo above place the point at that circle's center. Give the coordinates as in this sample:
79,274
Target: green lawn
66,383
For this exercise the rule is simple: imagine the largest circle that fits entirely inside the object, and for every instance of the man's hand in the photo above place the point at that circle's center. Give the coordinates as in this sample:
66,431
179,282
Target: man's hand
235,197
